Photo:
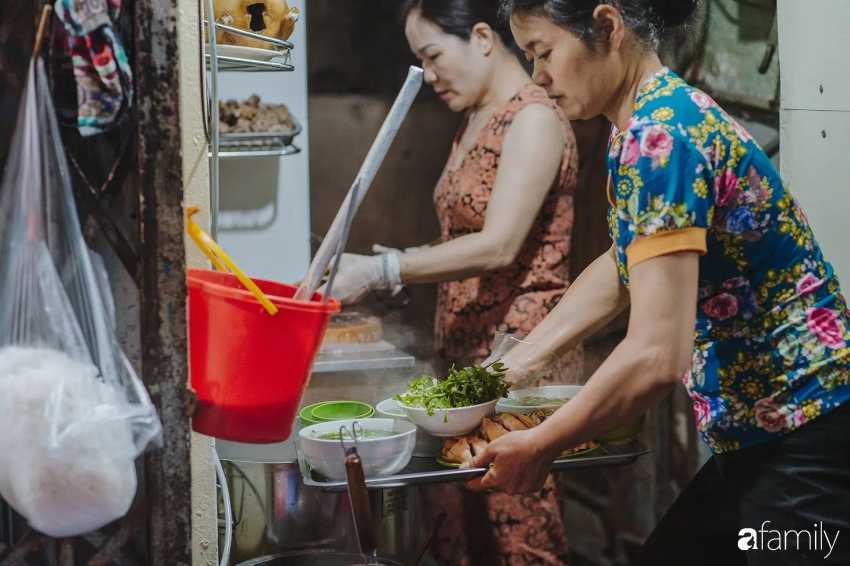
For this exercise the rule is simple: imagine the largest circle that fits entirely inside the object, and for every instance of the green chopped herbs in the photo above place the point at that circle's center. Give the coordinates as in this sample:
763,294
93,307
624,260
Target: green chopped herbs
533,401
462,388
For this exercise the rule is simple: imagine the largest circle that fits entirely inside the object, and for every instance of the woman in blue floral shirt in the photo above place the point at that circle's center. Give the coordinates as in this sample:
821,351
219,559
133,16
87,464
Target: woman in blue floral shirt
727,287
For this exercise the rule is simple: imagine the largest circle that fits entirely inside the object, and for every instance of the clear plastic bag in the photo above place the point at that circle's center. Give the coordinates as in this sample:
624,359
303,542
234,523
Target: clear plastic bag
78,413
524,360
502,344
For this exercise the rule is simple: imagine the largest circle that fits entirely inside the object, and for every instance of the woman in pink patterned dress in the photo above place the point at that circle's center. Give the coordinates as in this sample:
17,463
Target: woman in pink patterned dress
505,205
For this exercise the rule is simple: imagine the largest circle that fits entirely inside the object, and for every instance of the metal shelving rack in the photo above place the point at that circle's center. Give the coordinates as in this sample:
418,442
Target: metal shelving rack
255,144
248,144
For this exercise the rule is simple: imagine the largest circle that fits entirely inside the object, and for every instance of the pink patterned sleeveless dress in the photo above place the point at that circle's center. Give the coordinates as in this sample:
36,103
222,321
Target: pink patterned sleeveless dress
496,529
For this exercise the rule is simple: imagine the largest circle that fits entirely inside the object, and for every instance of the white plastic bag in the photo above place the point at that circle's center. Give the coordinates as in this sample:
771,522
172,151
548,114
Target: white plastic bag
78,414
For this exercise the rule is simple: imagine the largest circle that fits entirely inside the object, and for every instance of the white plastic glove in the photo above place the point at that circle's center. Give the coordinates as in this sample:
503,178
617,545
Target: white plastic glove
379,249
359,275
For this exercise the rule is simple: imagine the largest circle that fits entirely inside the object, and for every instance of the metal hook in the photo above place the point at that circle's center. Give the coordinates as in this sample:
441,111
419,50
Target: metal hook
352,434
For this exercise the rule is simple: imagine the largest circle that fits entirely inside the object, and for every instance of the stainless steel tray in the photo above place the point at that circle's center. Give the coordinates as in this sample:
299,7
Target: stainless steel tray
363,361
428,470
279,143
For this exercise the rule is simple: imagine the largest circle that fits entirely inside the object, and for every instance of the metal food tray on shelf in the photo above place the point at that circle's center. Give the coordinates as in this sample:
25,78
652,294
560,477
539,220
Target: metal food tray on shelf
427,470
391,358
259,143
243,64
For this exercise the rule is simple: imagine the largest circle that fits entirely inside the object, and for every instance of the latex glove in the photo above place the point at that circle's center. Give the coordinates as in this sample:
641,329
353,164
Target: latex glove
359,275
379,249
524,360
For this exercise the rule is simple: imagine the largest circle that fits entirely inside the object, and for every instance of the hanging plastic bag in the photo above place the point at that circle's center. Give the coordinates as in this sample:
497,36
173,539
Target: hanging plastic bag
76,413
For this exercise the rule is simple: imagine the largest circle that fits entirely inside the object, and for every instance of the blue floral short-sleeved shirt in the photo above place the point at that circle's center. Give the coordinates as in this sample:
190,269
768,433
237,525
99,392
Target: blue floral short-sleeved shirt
772,348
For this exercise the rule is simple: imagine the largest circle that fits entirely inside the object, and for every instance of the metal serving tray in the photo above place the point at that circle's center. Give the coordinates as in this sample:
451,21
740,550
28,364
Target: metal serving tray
260,142
393,358
428,470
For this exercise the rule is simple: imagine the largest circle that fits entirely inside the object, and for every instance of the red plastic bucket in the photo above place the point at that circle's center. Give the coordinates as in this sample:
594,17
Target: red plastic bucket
249,369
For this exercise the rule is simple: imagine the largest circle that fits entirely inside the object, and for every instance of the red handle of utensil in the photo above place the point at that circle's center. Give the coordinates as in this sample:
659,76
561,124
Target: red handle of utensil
359,496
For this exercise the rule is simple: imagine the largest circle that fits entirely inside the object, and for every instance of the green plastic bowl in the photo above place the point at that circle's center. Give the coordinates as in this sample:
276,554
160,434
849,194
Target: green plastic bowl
306,415
339,410
625,433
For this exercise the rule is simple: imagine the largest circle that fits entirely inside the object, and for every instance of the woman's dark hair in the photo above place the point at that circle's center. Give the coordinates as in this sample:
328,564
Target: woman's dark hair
646,18
458,17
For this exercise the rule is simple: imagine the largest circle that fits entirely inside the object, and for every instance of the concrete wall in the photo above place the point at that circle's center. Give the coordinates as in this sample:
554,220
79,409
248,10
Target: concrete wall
738,36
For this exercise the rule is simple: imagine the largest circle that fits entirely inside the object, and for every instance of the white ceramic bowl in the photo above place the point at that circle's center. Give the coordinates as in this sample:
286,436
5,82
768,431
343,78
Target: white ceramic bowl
450,422
381,456
622,434
390,409
506,405
427,446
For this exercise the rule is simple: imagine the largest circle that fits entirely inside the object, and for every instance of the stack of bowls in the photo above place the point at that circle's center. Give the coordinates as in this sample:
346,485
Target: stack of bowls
328,411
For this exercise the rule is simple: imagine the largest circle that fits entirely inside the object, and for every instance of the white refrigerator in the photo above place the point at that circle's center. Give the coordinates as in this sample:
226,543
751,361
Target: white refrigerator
264,202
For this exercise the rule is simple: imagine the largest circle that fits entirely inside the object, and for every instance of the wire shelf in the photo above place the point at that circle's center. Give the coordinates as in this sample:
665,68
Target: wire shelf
279,43
259,144
268,147
278,48
226,63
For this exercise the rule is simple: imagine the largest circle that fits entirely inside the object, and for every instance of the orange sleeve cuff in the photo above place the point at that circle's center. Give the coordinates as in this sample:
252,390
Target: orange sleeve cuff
666,242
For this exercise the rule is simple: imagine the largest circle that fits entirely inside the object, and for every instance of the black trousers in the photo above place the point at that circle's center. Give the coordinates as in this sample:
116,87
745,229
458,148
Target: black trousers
792,492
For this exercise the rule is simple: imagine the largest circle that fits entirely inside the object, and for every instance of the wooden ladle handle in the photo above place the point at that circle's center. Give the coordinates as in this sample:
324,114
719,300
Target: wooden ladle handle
360,508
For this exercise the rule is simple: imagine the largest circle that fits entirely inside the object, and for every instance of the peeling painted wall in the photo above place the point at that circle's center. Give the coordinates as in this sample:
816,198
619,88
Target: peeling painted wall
738,35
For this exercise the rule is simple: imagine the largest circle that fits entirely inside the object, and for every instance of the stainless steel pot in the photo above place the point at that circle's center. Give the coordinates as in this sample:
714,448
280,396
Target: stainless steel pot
313,558
275,512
